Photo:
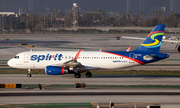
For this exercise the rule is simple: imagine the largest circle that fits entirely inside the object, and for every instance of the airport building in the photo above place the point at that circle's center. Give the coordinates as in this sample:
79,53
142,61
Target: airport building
9,20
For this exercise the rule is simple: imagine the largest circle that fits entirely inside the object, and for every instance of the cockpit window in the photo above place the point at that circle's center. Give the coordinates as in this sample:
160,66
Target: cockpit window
16,57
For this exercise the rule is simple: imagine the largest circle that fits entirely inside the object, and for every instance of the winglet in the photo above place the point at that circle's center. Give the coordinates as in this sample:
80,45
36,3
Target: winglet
129,49
119,34
77,55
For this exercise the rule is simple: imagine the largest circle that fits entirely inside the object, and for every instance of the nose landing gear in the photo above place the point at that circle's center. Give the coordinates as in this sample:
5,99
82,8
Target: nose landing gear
29,73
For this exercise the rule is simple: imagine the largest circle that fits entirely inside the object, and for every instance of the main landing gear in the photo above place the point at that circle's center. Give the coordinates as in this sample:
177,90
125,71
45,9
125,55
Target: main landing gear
29,73
78,75
88,74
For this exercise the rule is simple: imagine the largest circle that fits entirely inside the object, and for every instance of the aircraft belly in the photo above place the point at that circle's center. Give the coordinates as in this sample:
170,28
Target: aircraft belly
117,65
111,64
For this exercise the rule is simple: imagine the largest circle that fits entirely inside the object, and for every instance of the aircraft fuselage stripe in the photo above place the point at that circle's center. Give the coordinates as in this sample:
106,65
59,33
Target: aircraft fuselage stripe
140,62
155,32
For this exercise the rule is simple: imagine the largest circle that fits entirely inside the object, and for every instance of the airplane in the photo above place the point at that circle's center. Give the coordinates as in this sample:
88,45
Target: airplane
64,62
177,47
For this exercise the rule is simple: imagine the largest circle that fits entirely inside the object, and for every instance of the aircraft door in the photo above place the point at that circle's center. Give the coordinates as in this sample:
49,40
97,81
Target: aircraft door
131,55
26,57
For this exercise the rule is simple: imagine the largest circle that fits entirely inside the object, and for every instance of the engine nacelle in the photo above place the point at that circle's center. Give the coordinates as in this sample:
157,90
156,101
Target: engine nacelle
177,48
55,70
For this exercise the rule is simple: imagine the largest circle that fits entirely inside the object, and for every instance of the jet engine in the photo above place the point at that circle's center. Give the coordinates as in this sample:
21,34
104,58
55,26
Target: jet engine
177,48
56,70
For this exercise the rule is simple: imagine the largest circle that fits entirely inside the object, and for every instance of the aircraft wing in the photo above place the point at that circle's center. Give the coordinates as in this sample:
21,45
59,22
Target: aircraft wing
130,37
172,41
139,38
71,63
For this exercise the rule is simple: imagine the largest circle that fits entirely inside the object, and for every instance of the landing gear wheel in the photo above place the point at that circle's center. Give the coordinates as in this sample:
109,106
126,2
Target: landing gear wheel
77,75
28,75
88,74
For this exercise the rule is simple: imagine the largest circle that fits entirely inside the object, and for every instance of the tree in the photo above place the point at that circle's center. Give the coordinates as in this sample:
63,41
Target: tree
109,21
60,14
55,10
159,12
22,25
24,17
26,11
129,12
113,14
119,12
134,15
88,19
155,12
102,14
127,16
10,26
171,12
124,15
41,13
27,25
141,13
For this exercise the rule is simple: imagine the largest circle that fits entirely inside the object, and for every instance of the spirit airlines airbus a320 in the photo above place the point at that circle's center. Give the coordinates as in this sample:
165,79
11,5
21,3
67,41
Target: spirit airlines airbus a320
71,62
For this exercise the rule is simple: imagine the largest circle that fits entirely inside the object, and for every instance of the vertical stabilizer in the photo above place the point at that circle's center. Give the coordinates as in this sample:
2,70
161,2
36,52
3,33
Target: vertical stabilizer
153,41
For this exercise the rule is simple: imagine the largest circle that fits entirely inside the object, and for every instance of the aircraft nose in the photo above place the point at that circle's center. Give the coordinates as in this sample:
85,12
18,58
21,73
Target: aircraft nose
9,62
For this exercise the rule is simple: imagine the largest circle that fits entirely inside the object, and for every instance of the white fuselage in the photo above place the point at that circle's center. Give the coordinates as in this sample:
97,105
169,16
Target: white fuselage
89,59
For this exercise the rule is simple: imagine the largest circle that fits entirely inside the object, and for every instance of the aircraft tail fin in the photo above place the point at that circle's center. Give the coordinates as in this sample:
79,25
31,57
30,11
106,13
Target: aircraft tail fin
153,41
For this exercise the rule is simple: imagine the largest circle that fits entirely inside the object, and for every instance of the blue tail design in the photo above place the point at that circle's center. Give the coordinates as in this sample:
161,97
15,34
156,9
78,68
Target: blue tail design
153,41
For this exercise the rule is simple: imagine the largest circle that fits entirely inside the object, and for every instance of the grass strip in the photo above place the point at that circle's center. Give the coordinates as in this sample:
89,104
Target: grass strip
99,39
49,105
3,60
5,47
96,86
4,69
105,72
172,59
67,48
